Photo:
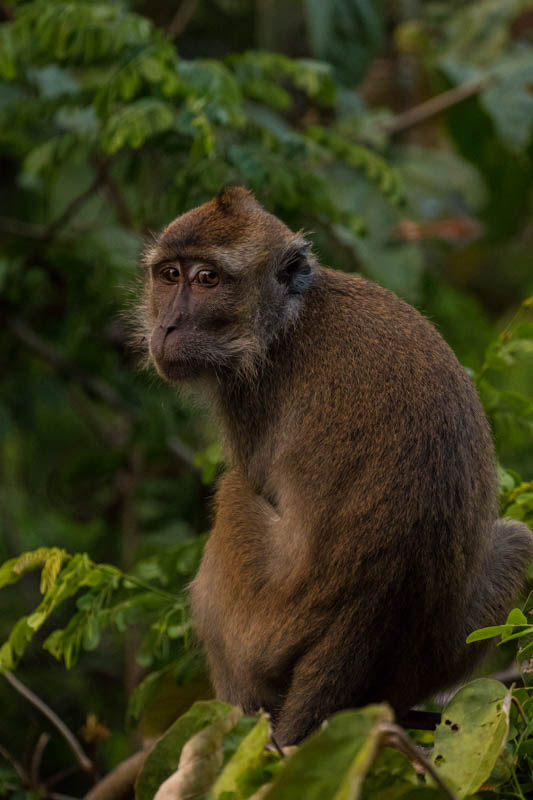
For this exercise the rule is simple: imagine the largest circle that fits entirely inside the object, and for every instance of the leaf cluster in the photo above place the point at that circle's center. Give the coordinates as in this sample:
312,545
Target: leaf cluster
214,752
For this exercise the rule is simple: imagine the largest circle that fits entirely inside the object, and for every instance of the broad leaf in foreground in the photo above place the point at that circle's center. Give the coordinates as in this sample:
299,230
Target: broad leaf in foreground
332,763
166,756
472,734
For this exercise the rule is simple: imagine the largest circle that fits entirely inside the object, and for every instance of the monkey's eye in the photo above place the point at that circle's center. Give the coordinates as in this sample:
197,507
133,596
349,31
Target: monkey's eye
170,274
207,277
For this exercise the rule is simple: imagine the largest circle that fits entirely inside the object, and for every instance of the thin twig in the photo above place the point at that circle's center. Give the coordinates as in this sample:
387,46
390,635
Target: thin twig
6,755
118,782
276,744
181,18
71,210
183,453
16,227
84,762
59,796
112,434
394,736
60,776
433,106
94,386
520,710
111,189
420,720
36,758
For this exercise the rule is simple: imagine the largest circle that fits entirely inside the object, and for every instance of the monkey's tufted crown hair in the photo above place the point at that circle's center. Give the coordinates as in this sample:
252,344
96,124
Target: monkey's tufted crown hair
231,197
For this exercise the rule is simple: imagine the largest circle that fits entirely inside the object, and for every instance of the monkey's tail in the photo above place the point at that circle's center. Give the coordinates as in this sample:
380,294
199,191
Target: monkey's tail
504,578
499,584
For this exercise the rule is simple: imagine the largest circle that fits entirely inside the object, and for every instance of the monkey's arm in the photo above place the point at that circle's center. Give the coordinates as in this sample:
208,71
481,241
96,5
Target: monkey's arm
251,610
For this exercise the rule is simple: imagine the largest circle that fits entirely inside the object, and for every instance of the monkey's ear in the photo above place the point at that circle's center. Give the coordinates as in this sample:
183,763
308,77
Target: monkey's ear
294,268
230,196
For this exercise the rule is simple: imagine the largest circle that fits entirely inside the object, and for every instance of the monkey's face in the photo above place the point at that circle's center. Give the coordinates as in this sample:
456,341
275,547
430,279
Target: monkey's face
223,281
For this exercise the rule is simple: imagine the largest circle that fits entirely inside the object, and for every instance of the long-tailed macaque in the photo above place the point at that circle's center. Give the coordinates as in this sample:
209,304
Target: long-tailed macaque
356,541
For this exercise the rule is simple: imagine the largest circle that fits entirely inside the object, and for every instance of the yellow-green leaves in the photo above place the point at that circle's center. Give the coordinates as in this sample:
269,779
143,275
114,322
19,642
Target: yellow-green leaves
248,756
332,763
189,755
97,587
472,734
49,558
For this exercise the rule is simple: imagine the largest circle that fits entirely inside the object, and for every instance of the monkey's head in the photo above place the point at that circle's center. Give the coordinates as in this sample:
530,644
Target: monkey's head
223,281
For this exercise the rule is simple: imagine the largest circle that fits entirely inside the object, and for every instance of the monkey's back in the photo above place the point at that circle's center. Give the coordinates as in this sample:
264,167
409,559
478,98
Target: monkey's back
395,416
400,441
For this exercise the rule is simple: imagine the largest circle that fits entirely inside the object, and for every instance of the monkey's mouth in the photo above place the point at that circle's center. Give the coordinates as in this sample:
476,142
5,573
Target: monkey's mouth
172,354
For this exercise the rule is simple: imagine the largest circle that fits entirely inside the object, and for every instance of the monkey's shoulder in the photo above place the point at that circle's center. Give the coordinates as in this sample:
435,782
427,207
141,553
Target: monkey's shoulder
359,314
375,351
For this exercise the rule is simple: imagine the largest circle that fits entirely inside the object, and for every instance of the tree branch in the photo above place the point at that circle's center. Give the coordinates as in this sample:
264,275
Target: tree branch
26,230
420,720
36,759
93,386
111,189
118,782
394,736
6,755
84,762
181,18
71,210
435,105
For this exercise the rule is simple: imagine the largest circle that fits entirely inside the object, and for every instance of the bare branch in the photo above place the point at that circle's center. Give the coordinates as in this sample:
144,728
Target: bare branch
94,386
70,211
394,736
181,18
420,720
16,227
36,758
119,782
6,755
59,776
112,191
433,106
183,453
84,762
59,796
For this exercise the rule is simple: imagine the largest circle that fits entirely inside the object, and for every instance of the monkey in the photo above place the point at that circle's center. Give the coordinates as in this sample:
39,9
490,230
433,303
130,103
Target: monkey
356,539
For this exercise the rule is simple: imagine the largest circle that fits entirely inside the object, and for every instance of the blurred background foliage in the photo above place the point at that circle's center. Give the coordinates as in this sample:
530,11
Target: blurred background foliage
397,133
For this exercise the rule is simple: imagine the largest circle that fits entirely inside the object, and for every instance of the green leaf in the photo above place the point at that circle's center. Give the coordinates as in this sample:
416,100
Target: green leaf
355,155
471,735
391,775
165,757
248,756
488,633
516,617
331,764
509,352
137,122
50,558
507,479
478,33
200,761
508,99
442,181
346,33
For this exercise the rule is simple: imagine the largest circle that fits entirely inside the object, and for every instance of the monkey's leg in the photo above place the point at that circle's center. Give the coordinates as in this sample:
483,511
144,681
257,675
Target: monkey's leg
322,683
237,613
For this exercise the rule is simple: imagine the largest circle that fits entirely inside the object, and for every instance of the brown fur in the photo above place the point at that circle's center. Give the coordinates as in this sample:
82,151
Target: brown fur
356,540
